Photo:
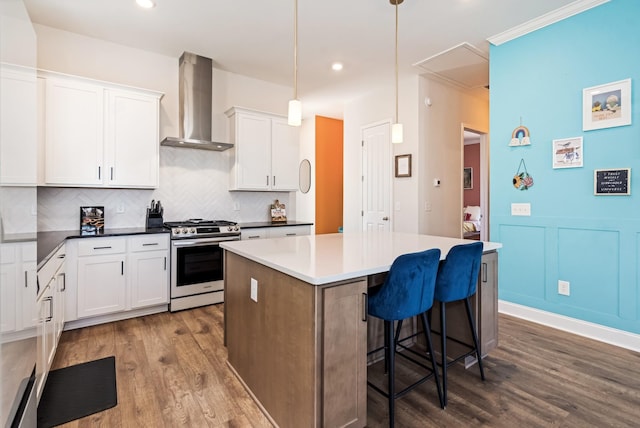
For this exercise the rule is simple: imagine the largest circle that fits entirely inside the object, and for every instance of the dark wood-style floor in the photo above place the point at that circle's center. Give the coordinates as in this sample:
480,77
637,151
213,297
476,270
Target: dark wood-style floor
171,371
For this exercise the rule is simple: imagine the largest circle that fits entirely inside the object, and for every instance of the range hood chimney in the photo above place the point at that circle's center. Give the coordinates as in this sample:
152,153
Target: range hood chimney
195,105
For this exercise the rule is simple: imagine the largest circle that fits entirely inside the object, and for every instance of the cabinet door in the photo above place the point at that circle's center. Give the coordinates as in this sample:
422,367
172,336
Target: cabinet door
253,152
101,285
73,133
46,337
344,355
18,107
8,285
284,155
148,278
132,142
59,303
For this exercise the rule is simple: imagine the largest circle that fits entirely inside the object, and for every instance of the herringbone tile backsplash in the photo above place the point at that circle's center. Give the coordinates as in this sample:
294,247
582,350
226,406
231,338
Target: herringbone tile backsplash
193,184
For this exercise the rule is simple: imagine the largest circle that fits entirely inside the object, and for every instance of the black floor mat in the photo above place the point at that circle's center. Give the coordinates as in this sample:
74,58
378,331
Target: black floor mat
77,391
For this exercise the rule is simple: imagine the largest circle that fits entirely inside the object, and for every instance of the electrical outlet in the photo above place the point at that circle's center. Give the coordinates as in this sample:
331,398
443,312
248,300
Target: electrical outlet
564,288
254,290
522,209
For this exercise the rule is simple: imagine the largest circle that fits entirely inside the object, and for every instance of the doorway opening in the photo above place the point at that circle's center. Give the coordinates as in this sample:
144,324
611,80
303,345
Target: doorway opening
475,193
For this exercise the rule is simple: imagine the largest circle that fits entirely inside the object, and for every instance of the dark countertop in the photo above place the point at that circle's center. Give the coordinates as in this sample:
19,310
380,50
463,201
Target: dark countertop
258,224
49,242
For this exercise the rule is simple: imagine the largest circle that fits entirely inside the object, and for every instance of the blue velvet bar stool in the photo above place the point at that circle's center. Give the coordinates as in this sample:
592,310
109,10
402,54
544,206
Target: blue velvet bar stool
457,280
406,292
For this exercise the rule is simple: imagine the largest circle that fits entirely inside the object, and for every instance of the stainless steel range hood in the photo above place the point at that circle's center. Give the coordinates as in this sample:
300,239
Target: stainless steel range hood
195,105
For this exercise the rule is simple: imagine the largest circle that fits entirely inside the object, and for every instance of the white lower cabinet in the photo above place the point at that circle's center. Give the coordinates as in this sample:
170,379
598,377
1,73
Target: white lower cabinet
148,270
275,232
118,274
101,285
50,305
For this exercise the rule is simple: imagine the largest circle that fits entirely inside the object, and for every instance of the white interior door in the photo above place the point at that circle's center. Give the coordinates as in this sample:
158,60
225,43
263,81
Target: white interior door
376,177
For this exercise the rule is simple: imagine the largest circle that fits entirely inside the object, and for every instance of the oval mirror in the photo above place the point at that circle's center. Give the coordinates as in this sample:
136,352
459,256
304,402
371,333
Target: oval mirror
305,175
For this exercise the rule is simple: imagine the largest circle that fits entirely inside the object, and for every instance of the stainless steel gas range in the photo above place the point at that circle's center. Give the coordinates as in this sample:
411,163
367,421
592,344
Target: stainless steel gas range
197,265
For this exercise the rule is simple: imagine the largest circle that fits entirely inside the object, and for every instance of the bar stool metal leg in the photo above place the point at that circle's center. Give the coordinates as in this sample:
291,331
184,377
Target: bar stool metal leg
474,333
391,352
427,335
443,350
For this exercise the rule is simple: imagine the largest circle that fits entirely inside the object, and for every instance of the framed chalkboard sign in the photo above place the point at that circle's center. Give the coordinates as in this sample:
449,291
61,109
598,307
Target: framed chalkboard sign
612,181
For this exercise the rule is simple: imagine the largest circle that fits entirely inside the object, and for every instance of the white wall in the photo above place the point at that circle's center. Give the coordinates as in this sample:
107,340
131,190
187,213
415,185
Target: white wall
441,127
376,106
193,183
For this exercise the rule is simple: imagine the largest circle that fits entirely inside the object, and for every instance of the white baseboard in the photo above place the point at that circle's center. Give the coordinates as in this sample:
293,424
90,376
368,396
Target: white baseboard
118,316
598,332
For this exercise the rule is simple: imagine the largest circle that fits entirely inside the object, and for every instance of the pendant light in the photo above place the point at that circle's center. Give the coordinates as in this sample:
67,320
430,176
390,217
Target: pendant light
295,107
396,128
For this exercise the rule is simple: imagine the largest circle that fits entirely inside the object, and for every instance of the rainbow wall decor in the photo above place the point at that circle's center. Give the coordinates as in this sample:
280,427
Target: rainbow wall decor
520,137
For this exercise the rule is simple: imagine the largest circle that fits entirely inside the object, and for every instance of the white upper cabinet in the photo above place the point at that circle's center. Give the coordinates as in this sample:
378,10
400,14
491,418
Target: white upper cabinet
99,134
265,153
18,116
132,141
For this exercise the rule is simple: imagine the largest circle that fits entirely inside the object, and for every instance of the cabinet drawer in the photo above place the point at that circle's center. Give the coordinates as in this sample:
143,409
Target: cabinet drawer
48,271
281,231
99,246
30,252
7,254
158,241
253,234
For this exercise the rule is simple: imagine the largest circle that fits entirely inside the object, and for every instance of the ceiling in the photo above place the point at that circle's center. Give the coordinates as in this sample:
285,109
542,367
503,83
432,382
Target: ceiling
255,37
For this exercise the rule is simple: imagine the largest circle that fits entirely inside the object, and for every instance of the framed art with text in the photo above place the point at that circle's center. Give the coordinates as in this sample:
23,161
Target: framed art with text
606,106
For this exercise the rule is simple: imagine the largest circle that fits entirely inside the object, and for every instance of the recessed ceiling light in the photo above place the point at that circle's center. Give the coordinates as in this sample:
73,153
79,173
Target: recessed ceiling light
336,66
147,4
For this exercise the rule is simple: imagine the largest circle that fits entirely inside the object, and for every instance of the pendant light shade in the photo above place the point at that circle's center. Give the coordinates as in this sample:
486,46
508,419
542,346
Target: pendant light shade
295,107
396,133
396,128
295,113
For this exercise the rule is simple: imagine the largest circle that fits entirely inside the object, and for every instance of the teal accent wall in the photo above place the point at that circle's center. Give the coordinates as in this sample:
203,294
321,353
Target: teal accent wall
591,241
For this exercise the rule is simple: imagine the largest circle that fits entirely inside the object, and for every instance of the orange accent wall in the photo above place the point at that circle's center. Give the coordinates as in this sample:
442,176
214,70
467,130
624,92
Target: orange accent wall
329,142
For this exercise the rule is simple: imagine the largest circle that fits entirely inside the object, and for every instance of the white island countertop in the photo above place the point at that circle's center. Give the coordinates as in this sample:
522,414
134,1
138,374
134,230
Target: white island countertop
322,259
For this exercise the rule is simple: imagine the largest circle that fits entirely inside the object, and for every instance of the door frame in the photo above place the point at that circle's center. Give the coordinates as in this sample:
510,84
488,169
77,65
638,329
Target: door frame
484,178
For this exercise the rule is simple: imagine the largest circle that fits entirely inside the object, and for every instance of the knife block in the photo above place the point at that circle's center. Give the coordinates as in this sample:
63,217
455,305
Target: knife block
154,220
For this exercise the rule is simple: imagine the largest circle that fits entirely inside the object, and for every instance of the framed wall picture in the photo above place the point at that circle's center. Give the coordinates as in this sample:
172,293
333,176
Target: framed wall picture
568,153
403,166
606,106
467,178
612,181
91,220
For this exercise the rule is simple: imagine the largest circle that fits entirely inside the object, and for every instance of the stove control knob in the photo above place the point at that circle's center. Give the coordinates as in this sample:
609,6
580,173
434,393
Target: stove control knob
177,231
236,228
229,228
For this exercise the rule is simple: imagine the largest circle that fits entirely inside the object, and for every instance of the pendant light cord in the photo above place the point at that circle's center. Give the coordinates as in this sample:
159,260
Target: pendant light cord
295,51
396,2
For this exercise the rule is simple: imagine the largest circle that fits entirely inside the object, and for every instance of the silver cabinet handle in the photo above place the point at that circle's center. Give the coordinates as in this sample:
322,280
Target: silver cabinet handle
385,218
50,317
291,234
26,280
111,173
64,281
122,267
101,248
484,272
149,244
165,263
61,256
253,237
99,170
267,180
274,180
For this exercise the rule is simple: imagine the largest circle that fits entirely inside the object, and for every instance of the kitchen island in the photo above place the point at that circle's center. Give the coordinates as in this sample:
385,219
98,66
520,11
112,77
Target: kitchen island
296,319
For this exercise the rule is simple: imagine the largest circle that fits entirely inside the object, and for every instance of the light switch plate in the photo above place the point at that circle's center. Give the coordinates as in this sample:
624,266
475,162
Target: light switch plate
254,290
522,209
564,288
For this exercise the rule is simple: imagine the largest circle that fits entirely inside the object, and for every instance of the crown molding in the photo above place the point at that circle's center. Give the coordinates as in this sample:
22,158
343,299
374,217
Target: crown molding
552,17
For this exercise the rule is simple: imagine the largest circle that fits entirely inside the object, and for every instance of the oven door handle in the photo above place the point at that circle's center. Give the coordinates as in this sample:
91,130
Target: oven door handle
201,242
